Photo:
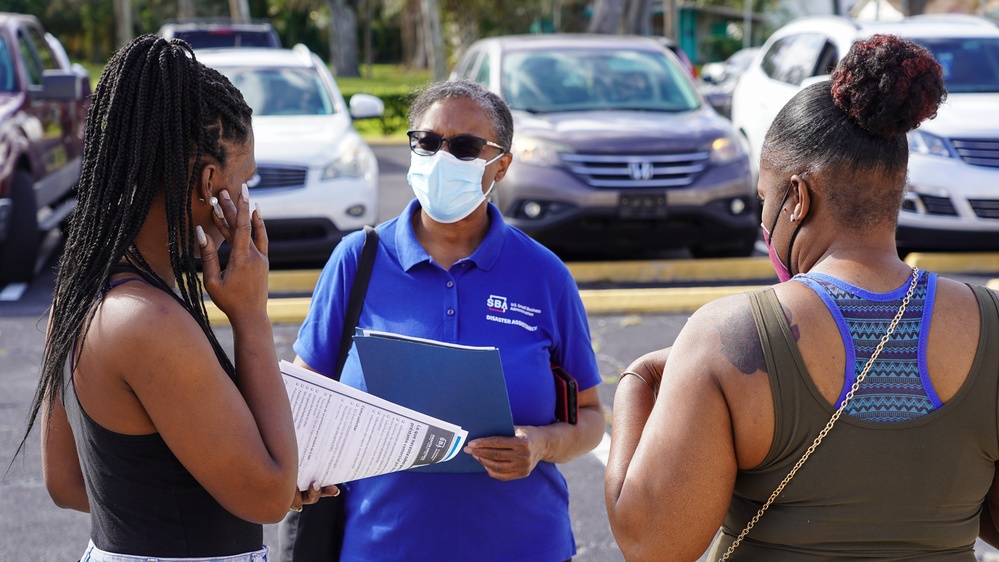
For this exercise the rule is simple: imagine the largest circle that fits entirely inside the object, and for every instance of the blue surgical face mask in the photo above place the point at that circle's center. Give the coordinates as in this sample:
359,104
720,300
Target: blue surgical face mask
448,189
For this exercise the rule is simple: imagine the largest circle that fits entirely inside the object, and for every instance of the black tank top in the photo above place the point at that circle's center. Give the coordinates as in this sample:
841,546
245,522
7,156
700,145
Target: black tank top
142,499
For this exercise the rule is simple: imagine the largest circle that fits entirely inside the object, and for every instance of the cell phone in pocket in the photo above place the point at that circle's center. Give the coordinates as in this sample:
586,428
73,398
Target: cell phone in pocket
566,395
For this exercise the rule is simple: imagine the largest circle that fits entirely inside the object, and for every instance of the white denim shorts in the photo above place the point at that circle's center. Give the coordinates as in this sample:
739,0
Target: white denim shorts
94,554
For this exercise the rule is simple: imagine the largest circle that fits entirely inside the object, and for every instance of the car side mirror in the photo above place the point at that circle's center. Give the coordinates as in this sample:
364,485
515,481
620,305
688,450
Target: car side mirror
366,106
712,73
59,85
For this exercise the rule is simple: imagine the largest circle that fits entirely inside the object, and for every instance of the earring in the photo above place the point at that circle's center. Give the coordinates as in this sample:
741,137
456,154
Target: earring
213,201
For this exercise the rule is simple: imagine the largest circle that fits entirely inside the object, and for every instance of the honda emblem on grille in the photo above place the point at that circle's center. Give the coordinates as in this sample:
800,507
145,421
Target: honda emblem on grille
640,170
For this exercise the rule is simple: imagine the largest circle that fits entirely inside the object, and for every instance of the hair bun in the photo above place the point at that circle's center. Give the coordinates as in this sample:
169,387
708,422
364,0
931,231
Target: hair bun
889,85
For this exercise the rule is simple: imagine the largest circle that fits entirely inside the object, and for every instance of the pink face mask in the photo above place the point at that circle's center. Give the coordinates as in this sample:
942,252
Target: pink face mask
783,273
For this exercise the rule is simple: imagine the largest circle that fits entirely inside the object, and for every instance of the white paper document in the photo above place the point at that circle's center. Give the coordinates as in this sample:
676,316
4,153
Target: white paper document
346,434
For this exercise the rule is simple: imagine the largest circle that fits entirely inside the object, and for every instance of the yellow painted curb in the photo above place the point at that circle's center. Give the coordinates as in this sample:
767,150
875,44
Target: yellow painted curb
281,311
986,262
681,300
663,301
293,281
653,271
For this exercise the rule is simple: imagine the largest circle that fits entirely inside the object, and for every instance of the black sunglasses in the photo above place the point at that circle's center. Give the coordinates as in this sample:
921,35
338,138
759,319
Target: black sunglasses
462,147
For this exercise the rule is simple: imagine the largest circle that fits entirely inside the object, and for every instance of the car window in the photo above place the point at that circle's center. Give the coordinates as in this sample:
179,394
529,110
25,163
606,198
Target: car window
467,64
36,55
590,79
219,38
771,63
281,91
800,58
482,74
969,65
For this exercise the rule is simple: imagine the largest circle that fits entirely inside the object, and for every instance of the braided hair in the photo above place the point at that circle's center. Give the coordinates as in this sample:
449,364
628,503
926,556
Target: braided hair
158,116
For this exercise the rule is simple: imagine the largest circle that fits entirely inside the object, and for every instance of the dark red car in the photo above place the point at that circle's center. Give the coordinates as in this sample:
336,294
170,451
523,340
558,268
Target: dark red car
43,109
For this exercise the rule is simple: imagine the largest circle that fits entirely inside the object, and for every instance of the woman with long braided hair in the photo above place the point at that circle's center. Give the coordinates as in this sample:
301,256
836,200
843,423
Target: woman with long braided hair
173,449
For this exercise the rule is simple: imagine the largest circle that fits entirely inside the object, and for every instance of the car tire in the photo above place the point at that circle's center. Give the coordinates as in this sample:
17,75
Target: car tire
742,249
20,251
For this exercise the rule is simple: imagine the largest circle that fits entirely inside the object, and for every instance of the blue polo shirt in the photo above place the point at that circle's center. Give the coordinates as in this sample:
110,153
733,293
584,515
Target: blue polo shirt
511,293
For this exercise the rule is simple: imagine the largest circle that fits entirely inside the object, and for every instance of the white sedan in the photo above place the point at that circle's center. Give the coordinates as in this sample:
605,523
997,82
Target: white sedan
316,180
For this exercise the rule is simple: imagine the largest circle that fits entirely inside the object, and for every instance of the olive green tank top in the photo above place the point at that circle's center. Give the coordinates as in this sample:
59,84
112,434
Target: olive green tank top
908,490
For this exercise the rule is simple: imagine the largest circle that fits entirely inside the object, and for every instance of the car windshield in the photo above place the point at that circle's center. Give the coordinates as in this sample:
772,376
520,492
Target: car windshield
216,38
591,79
282,91
969,65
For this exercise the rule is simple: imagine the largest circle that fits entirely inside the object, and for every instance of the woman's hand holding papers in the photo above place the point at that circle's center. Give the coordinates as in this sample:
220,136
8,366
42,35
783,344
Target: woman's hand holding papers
510,458
312,495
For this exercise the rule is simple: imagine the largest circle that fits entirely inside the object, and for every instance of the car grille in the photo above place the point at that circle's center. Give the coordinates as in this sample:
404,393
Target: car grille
280,176
978,152
938,205
613,171
985,208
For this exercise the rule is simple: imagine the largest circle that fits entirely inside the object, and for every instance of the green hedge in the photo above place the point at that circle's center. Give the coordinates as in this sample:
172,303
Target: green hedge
395,86
394,121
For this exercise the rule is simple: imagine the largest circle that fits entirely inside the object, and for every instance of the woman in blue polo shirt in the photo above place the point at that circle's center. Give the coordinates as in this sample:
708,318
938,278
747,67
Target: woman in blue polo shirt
442,267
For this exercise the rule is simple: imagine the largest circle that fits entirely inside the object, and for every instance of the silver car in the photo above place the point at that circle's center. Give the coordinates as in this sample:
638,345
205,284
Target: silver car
614,149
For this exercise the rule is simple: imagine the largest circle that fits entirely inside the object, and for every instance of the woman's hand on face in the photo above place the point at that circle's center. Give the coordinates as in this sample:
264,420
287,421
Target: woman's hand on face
242,287
510,458
312,495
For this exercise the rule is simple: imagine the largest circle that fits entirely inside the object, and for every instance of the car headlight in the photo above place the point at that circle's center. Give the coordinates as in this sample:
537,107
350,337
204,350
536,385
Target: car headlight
537,152
726,149
921,142
352,160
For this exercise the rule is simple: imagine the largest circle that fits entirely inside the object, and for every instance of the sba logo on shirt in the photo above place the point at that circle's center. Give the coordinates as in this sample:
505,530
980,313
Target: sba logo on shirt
496,303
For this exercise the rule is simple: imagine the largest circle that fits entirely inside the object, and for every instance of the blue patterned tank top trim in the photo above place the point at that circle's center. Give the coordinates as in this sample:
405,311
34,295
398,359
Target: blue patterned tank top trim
898,387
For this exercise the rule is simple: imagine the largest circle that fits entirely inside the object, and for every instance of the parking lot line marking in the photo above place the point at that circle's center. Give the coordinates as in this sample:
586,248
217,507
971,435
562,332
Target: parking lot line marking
13,292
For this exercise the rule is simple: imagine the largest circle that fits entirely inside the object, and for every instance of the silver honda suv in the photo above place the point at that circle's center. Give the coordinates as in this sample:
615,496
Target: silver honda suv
615,151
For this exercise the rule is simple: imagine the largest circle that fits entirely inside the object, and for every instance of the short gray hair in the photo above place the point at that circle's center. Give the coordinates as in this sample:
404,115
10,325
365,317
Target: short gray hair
495,108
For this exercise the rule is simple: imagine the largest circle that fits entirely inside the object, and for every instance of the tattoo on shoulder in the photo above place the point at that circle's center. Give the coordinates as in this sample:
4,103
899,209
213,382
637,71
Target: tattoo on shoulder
795,332
741,342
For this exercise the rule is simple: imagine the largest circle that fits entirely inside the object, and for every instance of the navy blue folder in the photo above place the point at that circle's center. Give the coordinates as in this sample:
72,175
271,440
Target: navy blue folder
458,384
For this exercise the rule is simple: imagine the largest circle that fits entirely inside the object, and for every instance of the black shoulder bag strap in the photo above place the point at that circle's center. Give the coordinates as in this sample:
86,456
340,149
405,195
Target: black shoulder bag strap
357,292
316,533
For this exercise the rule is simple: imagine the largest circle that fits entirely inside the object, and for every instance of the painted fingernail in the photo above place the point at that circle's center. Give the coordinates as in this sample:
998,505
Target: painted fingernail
257,207
217,209
315,487
246,193
336,492
225,195
200,233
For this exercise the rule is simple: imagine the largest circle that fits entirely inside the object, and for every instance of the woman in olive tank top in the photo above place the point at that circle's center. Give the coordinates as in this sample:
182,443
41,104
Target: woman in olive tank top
705,432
